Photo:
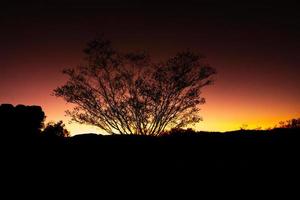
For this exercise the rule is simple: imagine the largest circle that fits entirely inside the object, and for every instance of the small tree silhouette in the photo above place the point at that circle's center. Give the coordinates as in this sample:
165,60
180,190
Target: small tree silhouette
56,130
126,93
293,123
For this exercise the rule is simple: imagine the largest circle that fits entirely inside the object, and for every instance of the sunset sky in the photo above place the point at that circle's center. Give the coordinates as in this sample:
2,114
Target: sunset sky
255,48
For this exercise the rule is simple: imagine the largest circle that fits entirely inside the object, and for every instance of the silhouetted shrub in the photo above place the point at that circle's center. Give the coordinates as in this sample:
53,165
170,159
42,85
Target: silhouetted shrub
180,131
56,130
21,121
293,123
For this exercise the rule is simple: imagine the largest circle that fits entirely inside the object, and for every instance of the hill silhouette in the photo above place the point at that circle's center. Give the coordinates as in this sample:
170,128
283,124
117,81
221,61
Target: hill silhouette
25,147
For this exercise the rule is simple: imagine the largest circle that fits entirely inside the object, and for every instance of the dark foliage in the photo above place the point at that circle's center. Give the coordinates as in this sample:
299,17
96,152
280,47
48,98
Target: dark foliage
21,121
26,123
55,130
293,123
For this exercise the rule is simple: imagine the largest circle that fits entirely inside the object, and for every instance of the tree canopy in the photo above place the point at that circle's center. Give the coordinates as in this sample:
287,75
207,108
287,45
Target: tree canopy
57,129
128,93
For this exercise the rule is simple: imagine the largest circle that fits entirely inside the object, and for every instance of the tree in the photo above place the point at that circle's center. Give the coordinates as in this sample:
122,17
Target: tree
293,123
56,130
21,121
127,93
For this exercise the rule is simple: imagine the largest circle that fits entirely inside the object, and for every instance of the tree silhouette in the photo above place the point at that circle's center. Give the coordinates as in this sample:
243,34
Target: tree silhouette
292,123
56,130
21,121
127,93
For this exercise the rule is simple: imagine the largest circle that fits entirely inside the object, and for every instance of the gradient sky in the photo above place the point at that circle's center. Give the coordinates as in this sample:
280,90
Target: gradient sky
254,47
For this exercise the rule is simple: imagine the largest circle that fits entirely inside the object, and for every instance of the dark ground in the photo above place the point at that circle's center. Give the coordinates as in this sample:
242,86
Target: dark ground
255,150
248,161
239,160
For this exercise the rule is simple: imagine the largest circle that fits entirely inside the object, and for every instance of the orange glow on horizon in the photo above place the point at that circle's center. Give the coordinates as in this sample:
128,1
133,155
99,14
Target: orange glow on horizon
229,106
257,82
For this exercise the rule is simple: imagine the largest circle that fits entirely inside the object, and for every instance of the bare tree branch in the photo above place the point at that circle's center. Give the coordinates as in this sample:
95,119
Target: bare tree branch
128,94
